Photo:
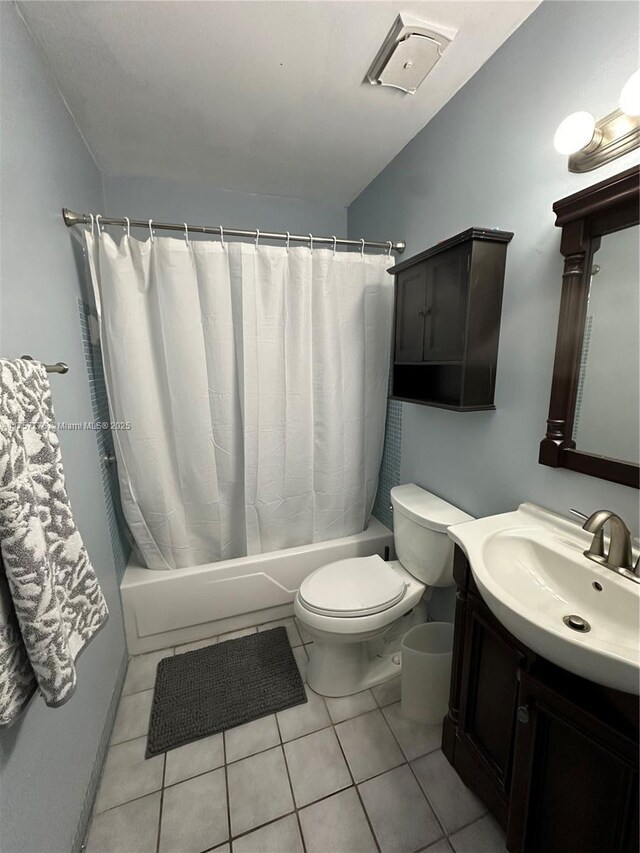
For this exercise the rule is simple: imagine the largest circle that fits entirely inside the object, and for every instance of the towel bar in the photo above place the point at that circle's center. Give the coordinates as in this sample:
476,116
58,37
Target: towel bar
58,367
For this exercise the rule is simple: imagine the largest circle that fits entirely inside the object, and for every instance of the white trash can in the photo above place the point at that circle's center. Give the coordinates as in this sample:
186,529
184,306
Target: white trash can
427,652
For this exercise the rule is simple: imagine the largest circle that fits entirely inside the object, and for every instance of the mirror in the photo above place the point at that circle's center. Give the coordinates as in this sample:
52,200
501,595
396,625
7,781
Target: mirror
607,414
594,412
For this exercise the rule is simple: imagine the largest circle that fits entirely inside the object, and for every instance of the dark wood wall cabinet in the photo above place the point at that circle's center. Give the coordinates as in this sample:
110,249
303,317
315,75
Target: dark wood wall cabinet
448,302
554,757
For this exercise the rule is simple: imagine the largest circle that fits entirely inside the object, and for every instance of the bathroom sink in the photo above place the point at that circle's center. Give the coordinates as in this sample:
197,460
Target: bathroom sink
530,569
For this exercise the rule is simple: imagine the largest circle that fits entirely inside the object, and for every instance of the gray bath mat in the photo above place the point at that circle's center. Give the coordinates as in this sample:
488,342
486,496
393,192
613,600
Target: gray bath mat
209,690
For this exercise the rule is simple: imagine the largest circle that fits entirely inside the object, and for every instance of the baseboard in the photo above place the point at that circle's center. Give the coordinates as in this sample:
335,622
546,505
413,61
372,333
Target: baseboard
96,773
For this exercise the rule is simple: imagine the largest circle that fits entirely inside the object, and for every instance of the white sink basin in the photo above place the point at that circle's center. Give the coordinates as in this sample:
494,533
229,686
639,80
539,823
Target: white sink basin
531,571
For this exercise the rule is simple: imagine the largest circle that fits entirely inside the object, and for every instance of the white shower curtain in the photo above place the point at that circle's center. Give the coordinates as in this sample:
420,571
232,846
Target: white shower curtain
255,383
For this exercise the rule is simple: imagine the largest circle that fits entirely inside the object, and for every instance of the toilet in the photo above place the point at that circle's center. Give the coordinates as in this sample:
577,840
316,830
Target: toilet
357,610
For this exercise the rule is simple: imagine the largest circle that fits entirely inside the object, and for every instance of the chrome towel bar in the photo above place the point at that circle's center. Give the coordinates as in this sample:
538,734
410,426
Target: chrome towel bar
58,367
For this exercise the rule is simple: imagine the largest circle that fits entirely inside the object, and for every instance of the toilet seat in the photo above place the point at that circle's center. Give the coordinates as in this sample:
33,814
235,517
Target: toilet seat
360,586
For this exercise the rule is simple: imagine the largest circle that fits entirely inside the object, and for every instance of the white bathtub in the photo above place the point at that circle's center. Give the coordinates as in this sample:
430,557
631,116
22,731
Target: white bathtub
164,609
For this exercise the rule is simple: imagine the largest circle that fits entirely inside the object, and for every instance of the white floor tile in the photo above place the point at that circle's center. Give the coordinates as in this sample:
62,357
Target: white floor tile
234,635
198,644
267,780
440,847
345,707
483,836
369,746
402,819
387,693
250,738
290,625
303,719
259,790
416,739
132,827
337,825
194,758
128,774
141,673
454,804
194,814
316,766
282,836
132,719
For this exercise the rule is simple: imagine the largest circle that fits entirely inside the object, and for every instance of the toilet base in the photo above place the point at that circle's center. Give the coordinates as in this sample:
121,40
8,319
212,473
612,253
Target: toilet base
344,669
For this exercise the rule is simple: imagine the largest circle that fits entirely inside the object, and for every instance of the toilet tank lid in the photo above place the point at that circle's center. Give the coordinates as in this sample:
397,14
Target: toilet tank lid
425,508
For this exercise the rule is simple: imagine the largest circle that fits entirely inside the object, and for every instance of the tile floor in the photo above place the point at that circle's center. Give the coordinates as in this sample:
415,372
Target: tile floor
344,775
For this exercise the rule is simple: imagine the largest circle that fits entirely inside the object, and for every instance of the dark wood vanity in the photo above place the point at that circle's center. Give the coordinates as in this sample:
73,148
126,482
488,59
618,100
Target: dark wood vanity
448,302
553,757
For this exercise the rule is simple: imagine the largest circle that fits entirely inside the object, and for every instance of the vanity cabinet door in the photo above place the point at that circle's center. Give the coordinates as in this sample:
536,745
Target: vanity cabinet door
575,787
491,667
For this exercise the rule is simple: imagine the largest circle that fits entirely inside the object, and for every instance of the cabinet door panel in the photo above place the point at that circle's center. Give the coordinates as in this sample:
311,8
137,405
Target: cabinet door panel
410,308
447,285
490,691
575,784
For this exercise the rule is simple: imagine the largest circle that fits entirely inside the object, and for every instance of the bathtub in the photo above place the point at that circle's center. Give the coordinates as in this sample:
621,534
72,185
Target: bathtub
163,609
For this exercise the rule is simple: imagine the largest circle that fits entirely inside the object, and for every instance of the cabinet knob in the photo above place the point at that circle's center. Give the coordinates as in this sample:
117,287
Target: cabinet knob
523,714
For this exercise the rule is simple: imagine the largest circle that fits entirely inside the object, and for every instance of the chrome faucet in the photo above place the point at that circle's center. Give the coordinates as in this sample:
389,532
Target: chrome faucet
619,557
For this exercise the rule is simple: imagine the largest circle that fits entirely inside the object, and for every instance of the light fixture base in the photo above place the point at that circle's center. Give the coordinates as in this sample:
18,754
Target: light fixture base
618,134
410,50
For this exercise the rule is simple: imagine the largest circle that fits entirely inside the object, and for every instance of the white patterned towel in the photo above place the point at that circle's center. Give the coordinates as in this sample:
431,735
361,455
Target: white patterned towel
50,602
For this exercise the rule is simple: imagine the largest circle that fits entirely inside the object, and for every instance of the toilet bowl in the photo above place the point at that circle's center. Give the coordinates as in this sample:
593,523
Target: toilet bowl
357,610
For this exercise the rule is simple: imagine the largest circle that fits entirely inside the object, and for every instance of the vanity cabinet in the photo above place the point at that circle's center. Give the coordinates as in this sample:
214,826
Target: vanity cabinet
448,302
553,757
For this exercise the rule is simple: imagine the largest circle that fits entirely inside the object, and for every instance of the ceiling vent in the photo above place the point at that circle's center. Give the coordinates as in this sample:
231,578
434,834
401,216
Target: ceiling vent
408,54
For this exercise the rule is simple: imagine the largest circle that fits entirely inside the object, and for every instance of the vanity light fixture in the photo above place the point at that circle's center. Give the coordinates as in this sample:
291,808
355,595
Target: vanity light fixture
590,143
629,101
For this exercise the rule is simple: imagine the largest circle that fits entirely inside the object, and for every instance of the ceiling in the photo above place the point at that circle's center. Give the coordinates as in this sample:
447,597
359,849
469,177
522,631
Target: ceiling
254,96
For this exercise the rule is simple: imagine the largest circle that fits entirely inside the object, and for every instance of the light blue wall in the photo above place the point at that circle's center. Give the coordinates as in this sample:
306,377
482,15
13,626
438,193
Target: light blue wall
487,159
48,756
200,204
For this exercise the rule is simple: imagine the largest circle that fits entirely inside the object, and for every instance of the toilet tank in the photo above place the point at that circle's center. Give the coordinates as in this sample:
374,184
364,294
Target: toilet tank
420,522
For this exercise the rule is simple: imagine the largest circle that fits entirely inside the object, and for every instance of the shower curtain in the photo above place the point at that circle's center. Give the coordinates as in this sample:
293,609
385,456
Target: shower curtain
249,385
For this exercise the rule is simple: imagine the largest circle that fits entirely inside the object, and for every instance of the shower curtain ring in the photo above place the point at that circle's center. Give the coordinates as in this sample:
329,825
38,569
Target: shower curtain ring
222,236
257,236
92,223
153,239
288,238
389,249
98,218
311,242
335,242
128,228
186,233
362,248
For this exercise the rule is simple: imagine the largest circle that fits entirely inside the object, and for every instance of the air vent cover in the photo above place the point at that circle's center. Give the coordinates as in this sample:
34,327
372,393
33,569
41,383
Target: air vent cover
408,54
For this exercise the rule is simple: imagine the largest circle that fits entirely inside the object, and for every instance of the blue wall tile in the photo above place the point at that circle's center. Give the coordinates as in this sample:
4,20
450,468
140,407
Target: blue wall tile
390,467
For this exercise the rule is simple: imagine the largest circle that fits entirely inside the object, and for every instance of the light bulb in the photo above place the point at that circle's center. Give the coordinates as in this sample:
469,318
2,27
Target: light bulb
574,133
630,95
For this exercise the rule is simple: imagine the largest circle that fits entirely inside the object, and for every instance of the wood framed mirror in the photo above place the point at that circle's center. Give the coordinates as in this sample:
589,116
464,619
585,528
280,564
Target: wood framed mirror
593,423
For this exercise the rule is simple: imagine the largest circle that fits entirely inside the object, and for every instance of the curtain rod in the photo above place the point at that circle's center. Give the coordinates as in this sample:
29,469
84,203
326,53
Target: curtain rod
72,218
